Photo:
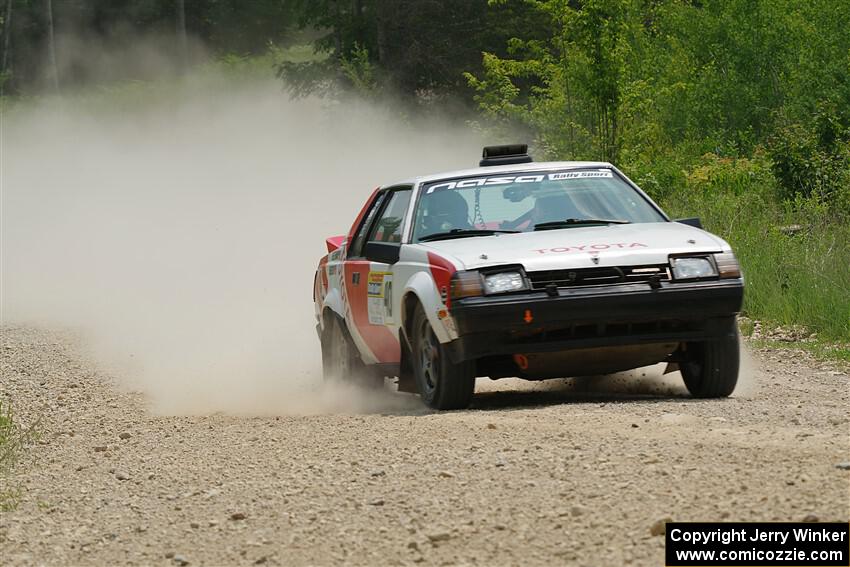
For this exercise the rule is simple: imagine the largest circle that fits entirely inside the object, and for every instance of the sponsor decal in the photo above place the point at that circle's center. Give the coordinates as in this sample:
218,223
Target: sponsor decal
590,247
486,181
379,297
509,180
579,174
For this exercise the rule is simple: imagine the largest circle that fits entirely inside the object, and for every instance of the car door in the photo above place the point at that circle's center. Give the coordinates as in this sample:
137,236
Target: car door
369,281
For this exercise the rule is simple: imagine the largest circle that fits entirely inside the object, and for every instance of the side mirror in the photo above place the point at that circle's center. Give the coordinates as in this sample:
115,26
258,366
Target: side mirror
384,252
693,221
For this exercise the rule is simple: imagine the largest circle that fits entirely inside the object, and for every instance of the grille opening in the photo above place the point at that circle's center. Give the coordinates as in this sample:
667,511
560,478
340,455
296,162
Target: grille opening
585,277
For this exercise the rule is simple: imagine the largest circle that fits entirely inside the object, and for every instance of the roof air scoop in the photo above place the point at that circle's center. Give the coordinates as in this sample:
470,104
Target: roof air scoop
505,155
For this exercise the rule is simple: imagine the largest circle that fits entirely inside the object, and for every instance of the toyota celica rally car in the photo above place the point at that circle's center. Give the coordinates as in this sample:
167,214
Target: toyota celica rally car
529,270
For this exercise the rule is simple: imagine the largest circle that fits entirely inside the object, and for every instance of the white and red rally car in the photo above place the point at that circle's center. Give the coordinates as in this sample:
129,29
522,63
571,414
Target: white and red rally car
532,270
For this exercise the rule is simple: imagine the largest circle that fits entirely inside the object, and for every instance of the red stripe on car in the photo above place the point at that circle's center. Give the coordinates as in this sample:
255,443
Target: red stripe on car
380,340
442,271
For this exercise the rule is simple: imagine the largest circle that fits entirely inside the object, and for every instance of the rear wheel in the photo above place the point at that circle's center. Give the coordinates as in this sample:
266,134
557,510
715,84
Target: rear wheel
711,370
442,384
340,361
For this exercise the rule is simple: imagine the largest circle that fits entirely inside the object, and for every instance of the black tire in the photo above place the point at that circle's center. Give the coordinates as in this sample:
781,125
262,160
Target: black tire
340,361
712,367
442,384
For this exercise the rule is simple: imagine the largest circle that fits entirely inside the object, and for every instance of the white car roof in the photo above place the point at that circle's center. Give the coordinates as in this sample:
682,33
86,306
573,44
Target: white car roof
493,169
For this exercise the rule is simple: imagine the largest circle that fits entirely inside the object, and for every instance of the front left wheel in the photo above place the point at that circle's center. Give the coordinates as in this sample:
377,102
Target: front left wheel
711,370
442,383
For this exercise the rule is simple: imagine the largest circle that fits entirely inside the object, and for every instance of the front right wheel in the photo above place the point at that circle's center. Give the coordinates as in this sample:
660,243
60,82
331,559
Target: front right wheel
442,383
711,370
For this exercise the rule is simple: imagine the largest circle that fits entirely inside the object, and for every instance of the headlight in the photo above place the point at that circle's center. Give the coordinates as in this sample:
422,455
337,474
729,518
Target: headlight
475,284
692,268
504,282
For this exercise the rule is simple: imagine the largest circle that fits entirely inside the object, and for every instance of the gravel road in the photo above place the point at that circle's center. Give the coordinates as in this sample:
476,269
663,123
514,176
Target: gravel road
562,474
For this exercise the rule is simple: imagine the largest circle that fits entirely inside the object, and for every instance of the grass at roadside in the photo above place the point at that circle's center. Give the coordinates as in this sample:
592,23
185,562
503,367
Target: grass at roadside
799,278
821,350
13,439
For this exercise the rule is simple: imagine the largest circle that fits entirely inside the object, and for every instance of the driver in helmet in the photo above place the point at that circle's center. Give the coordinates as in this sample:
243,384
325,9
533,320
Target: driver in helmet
445,211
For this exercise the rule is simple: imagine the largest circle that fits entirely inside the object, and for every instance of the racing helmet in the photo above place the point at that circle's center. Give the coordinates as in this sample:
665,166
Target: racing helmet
444,211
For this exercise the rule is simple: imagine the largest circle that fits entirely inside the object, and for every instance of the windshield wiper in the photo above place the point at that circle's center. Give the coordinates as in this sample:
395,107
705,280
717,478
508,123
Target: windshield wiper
464,232
576,222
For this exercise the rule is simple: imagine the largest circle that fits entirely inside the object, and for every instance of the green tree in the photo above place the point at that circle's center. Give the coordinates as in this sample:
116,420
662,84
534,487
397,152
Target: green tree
625,79
415,47
568,86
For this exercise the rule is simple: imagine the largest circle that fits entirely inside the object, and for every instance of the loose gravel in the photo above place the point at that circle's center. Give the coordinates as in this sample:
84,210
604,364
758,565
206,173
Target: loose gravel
577,473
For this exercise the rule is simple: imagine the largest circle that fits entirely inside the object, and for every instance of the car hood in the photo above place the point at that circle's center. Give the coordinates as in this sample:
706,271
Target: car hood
576,247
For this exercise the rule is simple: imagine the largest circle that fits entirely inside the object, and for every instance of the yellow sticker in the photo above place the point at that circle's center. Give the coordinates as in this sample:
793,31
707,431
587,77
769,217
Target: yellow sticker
375,285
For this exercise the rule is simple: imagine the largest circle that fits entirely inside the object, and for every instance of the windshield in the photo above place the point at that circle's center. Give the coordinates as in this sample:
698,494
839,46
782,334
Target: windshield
523,202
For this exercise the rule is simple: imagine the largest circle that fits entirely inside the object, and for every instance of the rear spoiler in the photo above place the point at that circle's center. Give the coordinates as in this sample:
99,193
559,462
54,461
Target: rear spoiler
334,242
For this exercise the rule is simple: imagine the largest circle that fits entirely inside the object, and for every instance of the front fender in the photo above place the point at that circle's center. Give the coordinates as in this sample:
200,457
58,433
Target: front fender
423,287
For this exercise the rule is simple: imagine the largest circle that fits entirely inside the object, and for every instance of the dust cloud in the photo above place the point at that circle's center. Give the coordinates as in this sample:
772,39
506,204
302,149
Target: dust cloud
178,234
749,375
176,231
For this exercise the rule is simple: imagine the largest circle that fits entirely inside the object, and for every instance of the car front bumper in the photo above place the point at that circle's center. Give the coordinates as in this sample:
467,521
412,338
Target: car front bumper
616,315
